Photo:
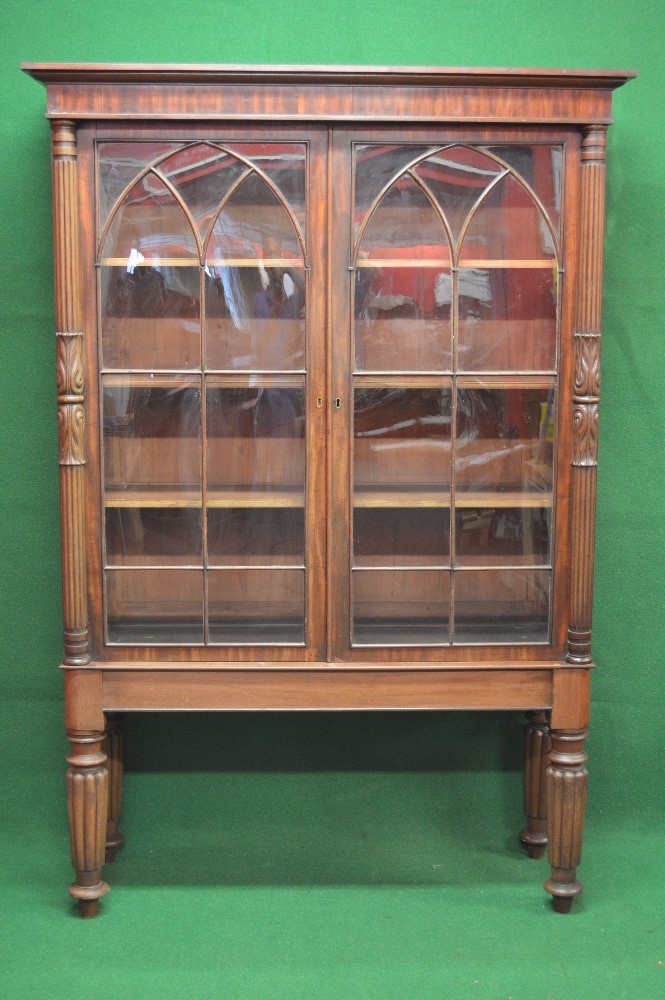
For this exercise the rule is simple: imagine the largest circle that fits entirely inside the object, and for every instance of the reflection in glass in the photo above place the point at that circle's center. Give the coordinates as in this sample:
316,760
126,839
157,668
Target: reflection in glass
152,441
505,440
541,167
256,445
376,166
255,318
457,176
153,536
202,174
400,608
285,164
402,318
245,536
118,164
502,606
252,607
507,225
150,317
255,285
507,319
503,535
154,606
401,439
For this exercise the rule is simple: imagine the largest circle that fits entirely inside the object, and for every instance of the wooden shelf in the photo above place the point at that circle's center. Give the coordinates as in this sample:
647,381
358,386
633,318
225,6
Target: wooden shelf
395,262
195,262
428,497
178,497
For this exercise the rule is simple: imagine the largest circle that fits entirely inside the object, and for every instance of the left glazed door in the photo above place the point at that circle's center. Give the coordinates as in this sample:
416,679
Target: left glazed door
210,319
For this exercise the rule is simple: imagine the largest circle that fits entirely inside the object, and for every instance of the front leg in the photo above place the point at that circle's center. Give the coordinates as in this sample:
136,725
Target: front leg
113,746
566,801
536,749
87,795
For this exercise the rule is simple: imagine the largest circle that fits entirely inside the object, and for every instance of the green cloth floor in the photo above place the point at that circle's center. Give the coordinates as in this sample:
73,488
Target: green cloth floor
299,856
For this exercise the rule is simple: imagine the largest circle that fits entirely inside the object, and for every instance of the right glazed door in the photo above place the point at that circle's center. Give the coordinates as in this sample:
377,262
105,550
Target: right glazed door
445,350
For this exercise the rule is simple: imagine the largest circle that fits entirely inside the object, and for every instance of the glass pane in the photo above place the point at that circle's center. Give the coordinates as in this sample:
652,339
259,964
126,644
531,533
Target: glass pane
149,229
505,439
158,536
152,443
256,446
253,226
154,606
401,536
503,536
150,317
507,319
402,319
202,175
405,226
246,536
119,163
402,439
376,165
400,607
502,606
541,167
401,471
504,458
255,318
252,607
402,286
508,225
457,176
285,163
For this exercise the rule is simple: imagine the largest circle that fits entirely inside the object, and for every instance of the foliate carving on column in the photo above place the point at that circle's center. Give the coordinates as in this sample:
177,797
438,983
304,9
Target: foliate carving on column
87,793
567,781
71,430
585,434
70,386
586,391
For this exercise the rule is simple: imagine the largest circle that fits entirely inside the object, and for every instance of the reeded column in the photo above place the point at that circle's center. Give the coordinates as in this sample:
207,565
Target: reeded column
87,777
586,392
69,374
114,763
536,749
87,792
566,802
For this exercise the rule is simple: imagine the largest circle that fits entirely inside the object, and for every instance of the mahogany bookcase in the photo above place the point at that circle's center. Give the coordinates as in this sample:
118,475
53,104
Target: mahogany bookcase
328,345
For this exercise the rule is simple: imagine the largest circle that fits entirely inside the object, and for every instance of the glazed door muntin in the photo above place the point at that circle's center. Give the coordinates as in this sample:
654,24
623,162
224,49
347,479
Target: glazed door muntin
427,597
258,422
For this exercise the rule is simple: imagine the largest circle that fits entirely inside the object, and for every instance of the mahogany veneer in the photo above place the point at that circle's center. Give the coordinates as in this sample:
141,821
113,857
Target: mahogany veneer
328,344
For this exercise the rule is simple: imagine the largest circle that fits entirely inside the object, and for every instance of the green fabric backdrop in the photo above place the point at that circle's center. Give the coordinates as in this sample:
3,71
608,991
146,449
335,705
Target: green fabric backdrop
338,856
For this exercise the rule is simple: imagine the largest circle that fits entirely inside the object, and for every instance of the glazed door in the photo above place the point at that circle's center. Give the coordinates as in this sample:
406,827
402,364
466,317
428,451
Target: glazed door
210,314
446,319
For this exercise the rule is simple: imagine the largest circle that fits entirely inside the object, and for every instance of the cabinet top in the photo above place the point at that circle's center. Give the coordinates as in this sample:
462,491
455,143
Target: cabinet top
340,94
50,72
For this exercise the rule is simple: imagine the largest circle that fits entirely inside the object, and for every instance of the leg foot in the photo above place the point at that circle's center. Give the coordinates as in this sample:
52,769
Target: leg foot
87,797
114,753
536,750
567,788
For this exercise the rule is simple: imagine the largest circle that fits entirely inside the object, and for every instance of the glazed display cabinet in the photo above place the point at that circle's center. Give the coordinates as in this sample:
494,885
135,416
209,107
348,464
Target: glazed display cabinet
328,380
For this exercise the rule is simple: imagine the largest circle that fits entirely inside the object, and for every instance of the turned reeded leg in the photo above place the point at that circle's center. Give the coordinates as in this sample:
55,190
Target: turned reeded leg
566,801
87,796
536,750
114,765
